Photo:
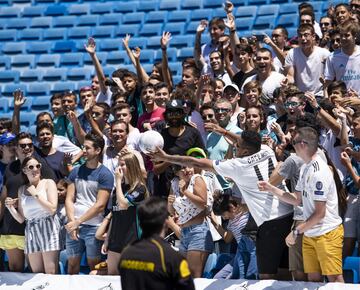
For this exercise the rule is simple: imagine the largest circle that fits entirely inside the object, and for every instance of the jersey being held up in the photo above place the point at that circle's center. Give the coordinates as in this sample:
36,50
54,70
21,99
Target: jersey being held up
317,183
246,172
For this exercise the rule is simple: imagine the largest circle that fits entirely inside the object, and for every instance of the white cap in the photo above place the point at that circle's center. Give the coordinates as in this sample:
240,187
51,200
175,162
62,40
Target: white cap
232,85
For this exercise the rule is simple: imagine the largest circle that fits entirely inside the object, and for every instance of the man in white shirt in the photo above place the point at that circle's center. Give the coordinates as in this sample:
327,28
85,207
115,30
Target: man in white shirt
323,230
304,65
254,162
345,65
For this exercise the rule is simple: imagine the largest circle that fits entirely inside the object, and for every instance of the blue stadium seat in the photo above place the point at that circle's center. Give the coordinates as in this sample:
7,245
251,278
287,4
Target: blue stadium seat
169,5
38,89
4,105
41,22
13,47
185,52
191,4
79,33
209,266
175,28
43,1
212,3
64,46
41,104
31,75
171,54
192,26
138,42
257,2
117,58
17,23
179,41
59,87
108,70
103,32
244,23
147,55
125,7
101,8
23,61
10,12
110,44
110,19
179,16
151,29
27,119
30,34
25,107
88,20
353,264
156,17
4,62
79,9
292,31
71,59
219,12
264,22
64,21
319,5
200,14
124,29
33,11
147,6
55,10
177,79
81,84
135,17
247,11
281,2
101,56
55,74
268,10
39,47
48,60
288,20
148,67
288,8
79,74
55,34
8,35
9,76
7,90
153,42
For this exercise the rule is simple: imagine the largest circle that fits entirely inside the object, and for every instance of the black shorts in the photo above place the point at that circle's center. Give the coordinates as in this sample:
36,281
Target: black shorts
271,250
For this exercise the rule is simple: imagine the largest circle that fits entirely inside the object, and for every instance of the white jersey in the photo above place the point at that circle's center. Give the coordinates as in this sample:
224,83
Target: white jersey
308,69
316,183
342,67
246,172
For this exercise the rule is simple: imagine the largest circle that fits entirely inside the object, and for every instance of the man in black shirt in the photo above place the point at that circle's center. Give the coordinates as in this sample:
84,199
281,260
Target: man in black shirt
151,263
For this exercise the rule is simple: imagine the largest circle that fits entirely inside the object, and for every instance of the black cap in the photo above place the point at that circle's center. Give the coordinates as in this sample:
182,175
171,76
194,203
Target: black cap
175,105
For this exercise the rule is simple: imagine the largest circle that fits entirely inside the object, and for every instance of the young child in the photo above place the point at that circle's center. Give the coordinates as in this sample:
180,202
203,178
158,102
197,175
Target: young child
244,264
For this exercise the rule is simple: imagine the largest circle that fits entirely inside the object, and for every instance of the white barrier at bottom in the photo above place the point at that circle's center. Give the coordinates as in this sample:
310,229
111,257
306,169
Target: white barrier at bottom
59,282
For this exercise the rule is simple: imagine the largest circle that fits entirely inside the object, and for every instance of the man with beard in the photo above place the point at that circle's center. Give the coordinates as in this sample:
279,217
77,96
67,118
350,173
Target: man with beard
216,144
12,233
178,138
53,158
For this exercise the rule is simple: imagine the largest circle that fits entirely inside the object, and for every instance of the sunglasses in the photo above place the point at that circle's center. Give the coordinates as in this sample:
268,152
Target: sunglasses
208,116
291,104
23,146
32,167
294,142
324,23
221,110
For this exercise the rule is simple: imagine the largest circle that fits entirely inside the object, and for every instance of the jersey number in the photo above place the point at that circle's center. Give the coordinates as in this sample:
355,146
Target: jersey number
270,170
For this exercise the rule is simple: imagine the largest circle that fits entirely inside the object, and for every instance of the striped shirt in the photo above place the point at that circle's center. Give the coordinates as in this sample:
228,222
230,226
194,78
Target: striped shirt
237,224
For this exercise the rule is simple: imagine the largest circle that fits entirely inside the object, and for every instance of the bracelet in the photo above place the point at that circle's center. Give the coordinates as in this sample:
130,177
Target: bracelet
225,133
233,30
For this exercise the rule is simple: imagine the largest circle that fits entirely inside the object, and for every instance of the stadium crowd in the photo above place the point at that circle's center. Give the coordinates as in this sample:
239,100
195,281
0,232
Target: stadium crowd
260,162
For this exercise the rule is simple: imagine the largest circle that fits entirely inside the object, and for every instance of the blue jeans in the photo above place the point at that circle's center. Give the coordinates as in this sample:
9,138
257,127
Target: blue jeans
196,238
244,265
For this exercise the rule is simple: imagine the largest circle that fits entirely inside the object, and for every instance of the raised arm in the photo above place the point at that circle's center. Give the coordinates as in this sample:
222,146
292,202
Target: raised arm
79,132
141,73
165,39
90,48
288,197
125,41
199,60
19,100
279,53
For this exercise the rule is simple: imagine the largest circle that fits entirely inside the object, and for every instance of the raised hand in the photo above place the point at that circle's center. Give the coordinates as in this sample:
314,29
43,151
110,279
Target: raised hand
228,7
67,158
119,174
310,97
125,40
136,52
90,46
165,39
230,22
345,158
19,98
202,26
71,116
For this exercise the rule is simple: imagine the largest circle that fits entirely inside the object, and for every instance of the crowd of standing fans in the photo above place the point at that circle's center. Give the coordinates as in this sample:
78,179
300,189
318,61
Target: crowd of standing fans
260,163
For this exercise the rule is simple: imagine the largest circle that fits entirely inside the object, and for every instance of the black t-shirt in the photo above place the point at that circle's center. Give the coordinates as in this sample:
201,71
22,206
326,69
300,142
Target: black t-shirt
151,264
136,106
240,77
176,146
125,228
13,180
54,161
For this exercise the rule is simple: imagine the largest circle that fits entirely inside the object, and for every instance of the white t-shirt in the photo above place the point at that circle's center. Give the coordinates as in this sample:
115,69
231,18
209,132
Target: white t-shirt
316,183
63,144
269,85
308,69
104,98
342,67
246,172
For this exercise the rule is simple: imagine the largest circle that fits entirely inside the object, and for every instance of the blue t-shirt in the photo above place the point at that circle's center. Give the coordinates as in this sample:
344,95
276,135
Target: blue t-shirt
348,182
2,172
87,184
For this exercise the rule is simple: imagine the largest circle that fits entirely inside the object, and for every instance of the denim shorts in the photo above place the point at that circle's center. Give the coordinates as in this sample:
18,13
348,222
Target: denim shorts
86,241
196,238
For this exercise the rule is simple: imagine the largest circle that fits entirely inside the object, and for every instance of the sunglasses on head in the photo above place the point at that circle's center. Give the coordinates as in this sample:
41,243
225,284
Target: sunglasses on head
23,146
32,167
221,110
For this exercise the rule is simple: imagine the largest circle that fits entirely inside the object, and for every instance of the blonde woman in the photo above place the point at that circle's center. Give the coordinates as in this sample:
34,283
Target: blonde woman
37,204
124,228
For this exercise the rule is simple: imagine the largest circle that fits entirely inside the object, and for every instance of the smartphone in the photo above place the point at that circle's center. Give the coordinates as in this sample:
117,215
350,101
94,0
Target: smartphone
260,37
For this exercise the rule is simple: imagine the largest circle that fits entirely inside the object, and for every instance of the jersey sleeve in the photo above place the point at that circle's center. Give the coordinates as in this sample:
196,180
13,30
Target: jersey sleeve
329,73
289,59
72,175
182,276
320,186
300,184
225,168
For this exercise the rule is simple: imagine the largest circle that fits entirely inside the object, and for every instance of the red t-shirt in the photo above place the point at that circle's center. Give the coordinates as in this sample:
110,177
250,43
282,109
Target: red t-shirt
153,117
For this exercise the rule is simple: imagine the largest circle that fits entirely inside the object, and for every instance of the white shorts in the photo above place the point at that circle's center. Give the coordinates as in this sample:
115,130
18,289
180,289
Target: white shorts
351,219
